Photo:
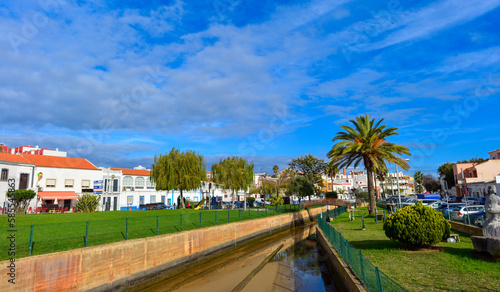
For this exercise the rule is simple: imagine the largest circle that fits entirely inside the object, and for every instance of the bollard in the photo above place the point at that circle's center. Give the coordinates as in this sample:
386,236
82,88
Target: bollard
31,238
384,217
266,211
239,216
363,219
200,219
181,222
257,213
228,220
87,235
215,217
376,220
273,212
248,213
126,232
157,226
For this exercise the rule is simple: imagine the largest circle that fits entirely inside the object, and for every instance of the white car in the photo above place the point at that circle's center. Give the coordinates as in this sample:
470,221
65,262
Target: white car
459,212
432,203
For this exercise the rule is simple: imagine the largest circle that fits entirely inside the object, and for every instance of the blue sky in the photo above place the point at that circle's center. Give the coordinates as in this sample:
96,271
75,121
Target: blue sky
117,82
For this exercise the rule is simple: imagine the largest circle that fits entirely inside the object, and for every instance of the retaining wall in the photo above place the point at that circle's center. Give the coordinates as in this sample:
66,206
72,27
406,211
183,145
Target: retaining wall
119,264
467,229
345,279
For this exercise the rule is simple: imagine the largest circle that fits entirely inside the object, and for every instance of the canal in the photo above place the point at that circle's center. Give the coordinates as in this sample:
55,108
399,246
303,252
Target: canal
298,266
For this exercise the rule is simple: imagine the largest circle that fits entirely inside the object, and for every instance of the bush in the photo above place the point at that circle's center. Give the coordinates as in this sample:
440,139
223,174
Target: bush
332,195
417,225
250,201
88,202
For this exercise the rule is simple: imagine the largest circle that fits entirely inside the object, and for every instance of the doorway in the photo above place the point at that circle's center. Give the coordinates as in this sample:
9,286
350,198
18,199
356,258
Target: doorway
23,181
115,203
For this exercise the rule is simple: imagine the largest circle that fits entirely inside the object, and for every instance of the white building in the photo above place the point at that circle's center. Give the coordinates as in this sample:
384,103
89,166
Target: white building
15,172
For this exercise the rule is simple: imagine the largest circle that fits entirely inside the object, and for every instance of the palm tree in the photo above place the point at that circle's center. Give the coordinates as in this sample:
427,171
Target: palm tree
275,170
418,177
367,143
331,170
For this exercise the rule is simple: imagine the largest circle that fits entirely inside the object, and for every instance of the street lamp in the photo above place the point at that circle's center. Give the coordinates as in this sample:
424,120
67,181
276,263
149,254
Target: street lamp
397,180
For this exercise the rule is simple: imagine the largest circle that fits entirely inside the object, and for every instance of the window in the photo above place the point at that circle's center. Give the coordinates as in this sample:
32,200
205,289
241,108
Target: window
130,200
85,184
5,174
329,187
195,199
470,174
68,183
128,181
141,200
50,183
152,199
169,202
139,182
149,184
163,199
115,185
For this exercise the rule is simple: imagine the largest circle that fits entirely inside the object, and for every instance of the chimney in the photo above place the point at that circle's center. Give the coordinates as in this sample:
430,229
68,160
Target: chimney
344,171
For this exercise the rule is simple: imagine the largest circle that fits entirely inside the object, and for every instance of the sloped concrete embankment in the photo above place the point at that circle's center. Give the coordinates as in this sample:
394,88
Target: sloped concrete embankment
120,264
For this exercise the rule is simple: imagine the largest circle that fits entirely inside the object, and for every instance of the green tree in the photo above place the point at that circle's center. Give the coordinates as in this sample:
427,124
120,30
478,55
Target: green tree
178,171
446,170
276,200
88,202
20,199
419,178
275,170
301,186
312,168
430,183
235,173
367,143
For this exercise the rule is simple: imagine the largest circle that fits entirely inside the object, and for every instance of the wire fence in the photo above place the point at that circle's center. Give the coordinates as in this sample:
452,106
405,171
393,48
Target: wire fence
373,279
38,239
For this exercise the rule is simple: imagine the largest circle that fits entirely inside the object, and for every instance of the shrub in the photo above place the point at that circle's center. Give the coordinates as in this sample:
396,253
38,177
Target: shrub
88,202
417,225
333,195
250,201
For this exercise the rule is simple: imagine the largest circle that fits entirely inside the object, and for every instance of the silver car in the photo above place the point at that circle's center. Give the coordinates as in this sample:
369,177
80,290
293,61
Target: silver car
458,213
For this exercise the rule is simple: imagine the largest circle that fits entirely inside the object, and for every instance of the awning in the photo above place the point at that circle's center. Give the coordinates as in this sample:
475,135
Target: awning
58,195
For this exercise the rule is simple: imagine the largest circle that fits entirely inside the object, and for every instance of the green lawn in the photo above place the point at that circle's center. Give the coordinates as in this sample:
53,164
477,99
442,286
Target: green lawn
444,267
58,232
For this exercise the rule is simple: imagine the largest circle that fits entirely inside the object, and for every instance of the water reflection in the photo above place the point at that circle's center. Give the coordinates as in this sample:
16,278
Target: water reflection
306,267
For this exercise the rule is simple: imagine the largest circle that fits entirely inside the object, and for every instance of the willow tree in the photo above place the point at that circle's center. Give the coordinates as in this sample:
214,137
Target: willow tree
178,171
367,143
234,173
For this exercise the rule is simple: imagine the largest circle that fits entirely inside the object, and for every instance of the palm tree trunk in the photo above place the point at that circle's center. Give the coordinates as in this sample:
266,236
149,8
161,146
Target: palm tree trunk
371,194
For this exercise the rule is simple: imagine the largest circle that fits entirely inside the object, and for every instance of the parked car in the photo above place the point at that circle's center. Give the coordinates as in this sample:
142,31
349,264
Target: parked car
408,202
446,209
459,212
432,203
478,218
469,200
153,206
481,201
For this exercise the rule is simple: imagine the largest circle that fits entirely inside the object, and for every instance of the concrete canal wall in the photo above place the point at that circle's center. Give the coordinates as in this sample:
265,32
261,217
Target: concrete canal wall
120,264
343,275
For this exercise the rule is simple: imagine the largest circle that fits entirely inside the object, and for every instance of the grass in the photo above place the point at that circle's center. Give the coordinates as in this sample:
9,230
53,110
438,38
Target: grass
444,267
59,232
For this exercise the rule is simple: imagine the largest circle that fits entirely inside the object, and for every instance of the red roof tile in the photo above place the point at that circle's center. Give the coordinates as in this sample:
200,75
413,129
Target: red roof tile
129,171
60,162
13,158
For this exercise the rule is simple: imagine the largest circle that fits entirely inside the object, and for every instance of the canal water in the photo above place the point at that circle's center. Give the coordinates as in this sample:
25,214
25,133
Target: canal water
298,266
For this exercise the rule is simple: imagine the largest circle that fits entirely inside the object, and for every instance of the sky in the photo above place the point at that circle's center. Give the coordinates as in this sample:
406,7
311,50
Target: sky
118,82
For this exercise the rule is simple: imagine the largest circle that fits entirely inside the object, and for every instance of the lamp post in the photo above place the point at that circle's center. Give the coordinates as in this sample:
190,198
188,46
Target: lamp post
397,180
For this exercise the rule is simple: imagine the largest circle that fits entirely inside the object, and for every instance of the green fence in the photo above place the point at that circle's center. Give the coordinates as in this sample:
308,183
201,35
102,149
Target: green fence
371,276
38,239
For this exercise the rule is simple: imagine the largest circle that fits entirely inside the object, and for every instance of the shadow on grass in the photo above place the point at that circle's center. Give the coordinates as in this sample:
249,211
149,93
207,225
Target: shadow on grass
376,244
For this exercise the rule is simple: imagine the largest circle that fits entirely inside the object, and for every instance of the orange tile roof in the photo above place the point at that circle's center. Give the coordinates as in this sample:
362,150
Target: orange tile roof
13,158
60,162
129,171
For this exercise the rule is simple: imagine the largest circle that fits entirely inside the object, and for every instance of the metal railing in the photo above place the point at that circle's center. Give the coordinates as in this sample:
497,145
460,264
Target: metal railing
373,279
42,238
